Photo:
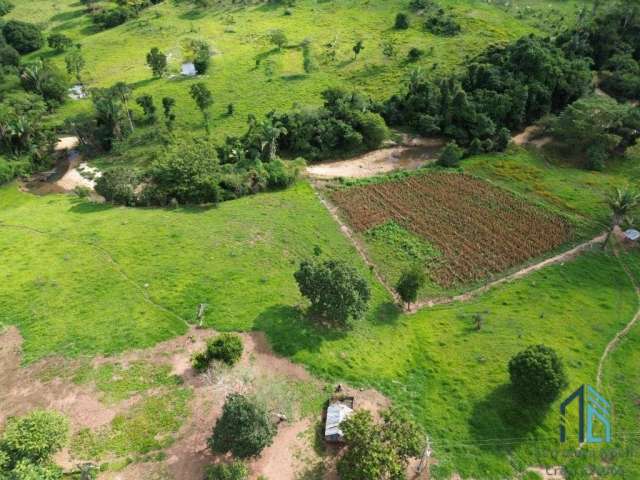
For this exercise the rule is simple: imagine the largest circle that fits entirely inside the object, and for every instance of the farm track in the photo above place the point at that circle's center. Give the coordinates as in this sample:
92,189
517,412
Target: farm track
109,260
625,331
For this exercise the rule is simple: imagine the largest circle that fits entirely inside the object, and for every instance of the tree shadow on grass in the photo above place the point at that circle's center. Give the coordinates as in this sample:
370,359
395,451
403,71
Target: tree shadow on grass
66,16
289,330
500,422
385,312
85,206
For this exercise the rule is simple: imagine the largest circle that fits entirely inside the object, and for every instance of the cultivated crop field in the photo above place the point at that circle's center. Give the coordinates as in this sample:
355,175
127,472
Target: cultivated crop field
480,229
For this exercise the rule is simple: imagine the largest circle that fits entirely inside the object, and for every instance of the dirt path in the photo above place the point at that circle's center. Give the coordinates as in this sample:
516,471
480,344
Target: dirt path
411,154
622,333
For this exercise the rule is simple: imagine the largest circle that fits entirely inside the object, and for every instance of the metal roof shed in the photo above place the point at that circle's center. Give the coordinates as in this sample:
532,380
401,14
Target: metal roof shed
337,412
632,234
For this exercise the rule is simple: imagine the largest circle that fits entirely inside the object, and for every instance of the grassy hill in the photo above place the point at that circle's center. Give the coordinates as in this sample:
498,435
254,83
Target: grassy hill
238,37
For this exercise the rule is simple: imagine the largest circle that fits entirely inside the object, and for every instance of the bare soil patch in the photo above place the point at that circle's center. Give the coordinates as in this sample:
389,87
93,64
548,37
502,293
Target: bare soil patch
260,372
410,155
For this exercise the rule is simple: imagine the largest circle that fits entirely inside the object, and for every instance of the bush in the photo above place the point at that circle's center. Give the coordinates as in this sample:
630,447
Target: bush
279,174
537,375
415,54
35,437
59,42
5,7
439,23
112,18
9,56
402,21
226,347
450,155
24,37
244,429
118,185
336,290
232,471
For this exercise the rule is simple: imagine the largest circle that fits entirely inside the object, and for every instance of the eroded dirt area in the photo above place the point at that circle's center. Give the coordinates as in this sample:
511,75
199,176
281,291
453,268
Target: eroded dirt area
411,154
296,449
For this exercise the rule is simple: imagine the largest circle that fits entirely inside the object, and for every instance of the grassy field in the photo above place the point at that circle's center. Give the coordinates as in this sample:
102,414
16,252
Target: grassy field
67,297
238,36
89,278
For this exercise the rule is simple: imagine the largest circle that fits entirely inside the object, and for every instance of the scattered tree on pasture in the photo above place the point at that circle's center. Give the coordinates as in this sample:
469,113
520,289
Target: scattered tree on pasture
244,428
336,290
24,37
357,48
409,284
537,375
149,108
123,92
278,38
204,99
157,61
168,104
75,63
402,21
59,42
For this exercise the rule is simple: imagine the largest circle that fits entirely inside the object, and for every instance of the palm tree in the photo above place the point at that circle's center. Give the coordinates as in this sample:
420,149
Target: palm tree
621,203
123,91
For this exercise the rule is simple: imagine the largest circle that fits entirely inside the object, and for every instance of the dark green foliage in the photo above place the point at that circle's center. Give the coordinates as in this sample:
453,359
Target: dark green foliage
157,62
231,471
409,285
9,56
422,4
189,172
59,42
111,117
379,451
345,123
118,186
506,87
24,37
621,77
226,347
596,127
357,48
168,104
203,98
112,18
149,108
5,7
402,21
244,429
201,56
278,38
28,444
440,23
46,80
337,291
450,155
537,375
415,54
74,61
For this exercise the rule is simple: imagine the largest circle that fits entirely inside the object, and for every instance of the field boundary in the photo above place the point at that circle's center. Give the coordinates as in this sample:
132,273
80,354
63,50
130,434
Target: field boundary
110,260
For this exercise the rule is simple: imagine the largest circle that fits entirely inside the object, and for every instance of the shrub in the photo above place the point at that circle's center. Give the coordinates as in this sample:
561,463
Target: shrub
112,18
24,37
402,21
415,54
5,7
118,185
35,437
336,290
278,38
59,42
439,23
9,56
279,174
231,471
226,347
537,374
450,155
244,429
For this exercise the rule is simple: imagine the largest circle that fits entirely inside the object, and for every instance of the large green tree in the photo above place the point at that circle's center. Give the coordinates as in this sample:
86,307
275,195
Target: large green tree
244,429
337,291
621,203
379,451
537,375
